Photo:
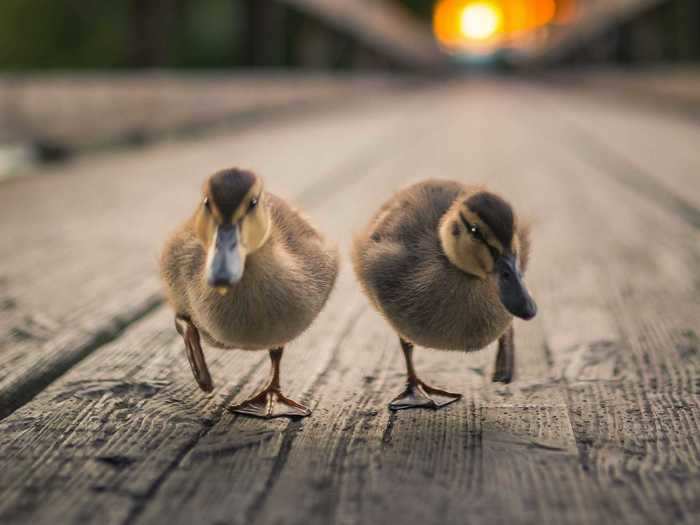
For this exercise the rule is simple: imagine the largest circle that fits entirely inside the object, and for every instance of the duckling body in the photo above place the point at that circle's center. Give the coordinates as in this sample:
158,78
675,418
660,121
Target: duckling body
403,269
434,295
248,272
284,287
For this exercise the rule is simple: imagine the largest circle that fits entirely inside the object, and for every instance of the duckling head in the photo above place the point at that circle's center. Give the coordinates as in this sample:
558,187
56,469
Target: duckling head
478,235
232,222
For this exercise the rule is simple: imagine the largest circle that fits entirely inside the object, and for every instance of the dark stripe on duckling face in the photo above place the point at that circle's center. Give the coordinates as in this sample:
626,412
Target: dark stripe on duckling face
228,188
495,213
475,231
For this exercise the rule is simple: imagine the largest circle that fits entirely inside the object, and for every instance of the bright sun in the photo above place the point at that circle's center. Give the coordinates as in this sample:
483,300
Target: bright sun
479,21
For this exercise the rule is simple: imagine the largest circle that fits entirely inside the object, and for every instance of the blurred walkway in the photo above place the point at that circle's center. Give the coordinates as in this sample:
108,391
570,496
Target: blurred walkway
103,422
86,110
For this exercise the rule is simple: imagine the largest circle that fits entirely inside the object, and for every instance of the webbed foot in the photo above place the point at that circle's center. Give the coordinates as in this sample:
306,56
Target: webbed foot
417,394
420,395
270,403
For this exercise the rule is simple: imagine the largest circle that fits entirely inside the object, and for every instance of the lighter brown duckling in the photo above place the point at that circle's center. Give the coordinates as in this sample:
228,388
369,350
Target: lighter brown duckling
246,271
443,263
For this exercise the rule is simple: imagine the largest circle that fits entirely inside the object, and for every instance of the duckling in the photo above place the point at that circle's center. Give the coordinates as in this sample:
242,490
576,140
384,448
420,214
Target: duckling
246,271
443,263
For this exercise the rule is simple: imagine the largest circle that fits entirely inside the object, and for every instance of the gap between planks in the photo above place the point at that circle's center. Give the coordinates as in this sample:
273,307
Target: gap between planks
13,397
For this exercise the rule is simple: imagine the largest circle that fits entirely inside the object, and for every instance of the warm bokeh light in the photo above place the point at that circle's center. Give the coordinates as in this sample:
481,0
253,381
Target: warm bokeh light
478,25
480,21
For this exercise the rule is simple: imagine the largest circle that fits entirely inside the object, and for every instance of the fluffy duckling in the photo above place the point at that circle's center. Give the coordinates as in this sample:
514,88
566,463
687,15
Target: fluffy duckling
246,271
443,262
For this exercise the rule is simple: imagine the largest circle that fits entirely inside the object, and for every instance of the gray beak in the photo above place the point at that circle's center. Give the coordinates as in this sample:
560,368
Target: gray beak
513,293
226,261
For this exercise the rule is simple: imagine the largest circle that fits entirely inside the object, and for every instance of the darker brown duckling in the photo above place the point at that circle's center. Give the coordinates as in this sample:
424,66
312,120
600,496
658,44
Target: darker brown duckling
443,262
246,271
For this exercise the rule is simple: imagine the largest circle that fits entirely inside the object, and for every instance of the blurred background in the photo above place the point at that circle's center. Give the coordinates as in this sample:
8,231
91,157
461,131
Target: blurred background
77,75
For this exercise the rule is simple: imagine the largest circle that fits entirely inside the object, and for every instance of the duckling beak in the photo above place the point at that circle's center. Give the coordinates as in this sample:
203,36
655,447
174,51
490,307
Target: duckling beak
513,292
226,259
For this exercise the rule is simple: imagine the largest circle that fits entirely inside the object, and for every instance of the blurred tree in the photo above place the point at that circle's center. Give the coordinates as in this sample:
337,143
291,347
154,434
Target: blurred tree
62,33
667,32
148,25
208,33
422,8
92,34
44,34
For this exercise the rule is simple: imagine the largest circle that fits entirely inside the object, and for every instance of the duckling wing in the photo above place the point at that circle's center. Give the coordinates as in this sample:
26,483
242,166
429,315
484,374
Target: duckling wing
182,259
295,229
315,253
401,240
405,226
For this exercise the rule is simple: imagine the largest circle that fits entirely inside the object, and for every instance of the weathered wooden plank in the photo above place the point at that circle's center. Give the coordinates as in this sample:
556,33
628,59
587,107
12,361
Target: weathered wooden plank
645,442
34,353
97,441
644,256
650,151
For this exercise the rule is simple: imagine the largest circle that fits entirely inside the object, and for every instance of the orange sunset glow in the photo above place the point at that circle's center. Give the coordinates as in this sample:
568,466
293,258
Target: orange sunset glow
474,25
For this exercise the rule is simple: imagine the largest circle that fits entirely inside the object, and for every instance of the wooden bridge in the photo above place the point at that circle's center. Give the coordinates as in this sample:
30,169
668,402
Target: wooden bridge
103,423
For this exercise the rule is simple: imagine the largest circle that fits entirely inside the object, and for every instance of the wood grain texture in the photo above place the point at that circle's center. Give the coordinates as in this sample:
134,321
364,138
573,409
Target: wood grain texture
643,259
599,426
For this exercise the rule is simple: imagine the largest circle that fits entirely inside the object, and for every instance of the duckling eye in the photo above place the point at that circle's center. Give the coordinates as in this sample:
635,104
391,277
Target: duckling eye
205,203
476,233
472,229
253,204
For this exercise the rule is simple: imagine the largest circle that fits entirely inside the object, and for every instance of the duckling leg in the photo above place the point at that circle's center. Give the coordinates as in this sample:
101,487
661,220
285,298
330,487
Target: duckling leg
417,394
195,355
505,359
270,402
